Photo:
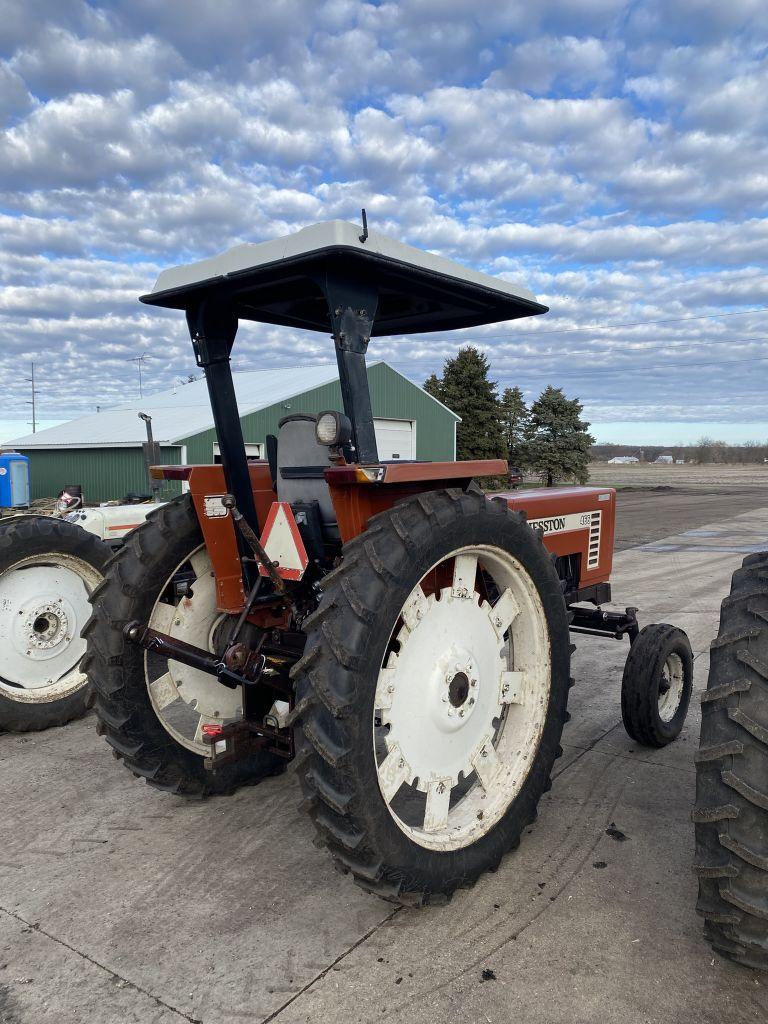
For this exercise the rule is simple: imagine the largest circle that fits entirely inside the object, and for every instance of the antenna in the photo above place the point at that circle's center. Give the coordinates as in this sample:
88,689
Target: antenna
31,380
365,226
139,360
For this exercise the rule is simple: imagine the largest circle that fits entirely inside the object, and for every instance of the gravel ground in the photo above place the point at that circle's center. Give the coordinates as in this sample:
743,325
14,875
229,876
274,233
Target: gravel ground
646,514
122,905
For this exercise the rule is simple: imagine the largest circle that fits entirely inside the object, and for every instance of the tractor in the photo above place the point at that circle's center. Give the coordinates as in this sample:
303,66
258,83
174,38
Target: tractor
397,632
52,557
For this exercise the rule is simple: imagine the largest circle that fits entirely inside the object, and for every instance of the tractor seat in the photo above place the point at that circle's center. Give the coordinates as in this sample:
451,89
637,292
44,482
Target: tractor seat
301,462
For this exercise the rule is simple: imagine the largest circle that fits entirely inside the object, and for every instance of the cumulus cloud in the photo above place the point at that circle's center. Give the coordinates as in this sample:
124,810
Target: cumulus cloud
612,155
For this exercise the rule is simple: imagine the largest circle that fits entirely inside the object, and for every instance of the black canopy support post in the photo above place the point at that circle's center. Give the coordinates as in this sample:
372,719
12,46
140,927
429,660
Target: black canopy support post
212,327
352,305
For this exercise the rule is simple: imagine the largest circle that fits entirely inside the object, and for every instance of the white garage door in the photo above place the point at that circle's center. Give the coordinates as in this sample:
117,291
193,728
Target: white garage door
252,451
395,439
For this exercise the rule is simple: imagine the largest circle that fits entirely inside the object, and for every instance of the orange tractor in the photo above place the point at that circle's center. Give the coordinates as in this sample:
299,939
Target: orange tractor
399,633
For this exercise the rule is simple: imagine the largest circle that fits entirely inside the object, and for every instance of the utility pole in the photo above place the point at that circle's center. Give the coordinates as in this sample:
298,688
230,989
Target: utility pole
139,361
31,380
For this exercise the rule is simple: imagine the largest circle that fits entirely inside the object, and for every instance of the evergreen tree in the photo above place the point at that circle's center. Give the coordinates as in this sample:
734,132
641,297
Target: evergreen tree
433,385
465,388
514,417
556,438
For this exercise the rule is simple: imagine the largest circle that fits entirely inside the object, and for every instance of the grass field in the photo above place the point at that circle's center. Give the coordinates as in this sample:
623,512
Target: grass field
643,474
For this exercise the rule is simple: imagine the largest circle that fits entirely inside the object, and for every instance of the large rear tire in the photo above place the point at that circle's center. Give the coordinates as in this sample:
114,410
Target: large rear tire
151,711
48,569
731,813
432,694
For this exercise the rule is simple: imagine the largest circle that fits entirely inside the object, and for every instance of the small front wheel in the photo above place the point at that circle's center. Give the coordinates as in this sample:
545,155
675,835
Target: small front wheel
657,684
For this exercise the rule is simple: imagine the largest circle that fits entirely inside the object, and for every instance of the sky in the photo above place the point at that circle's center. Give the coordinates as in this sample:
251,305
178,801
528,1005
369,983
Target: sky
611,156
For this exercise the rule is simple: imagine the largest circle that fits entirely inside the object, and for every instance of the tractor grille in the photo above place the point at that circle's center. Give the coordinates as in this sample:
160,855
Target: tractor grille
593,556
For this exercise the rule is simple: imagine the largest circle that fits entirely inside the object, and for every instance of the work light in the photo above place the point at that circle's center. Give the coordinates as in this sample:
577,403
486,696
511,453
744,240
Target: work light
333,428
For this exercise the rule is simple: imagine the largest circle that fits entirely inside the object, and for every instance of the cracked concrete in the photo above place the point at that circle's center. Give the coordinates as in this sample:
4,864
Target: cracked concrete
120,904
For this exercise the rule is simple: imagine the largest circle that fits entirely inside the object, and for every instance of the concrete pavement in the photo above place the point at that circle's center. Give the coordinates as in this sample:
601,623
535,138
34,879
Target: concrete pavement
120,904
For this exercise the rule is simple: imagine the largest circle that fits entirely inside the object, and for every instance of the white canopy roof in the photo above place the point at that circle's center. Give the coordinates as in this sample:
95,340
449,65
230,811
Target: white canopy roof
332,234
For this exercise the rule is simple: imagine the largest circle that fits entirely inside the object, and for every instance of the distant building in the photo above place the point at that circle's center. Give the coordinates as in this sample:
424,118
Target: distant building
102,451
622,460
664,460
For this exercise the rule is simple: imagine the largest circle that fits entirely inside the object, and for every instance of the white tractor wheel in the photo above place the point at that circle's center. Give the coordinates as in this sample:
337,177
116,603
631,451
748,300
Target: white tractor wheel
152,710
48,570
432,694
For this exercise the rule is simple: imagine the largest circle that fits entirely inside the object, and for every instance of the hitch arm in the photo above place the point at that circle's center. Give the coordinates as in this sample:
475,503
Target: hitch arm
239,666
598,621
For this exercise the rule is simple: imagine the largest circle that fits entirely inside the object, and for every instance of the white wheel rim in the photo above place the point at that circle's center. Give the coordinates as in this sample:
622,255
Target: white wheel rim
43,608
460,708
671,690
184,698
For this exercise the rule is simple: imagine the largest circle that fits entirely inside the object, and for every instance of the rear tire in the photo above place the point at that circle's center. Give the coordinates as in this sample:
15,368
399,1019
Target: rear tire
128,718
48,567
731,812
657,684
366,613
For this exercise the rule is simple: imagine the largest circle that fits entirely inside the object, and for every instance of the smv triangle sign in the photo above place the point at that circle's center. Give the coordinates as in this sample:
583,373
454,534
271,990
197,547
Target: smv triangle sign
282,542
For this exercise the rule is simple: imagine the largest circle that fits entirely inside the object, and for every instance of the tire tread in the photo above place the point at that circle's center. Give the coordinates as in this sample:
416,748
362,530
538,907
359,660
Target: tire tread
731,811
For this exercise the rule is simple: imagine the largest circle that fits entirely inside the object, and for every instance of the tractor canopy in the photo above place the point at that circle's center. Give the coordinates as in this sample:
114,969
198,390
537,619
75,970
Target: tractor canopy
289,280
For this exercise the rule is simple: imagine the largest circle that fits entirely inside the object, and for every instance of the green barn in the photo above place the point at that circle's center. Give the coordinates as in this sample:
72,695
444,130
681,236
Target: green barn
103,453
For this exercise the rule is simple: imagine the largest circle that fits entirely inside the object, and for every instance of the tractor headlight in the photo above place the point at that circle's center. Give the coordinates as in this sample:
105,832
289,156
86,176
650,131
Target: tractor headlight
333,428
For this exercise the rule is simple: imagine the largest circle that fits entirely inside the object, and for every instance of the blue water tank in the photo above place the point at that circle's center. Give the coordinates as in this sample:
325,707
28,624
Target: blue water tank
14,480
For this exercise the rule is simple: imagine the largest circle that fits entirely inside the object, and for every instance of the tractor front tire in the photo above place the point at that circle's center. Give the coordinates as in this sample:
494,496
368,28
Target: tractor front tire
132,722
731,812
48,568
657,684
423,753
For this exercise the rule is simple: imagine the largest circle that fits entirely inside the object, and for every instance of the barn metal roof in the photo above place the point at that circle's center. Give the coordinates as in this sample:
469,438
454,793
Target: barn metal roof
282,282
180,412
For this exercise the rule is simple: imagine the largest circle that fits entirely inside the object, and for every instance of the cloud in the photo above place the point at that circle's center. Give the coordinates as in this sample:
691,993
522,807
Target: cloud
537,64
60,63
612,155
